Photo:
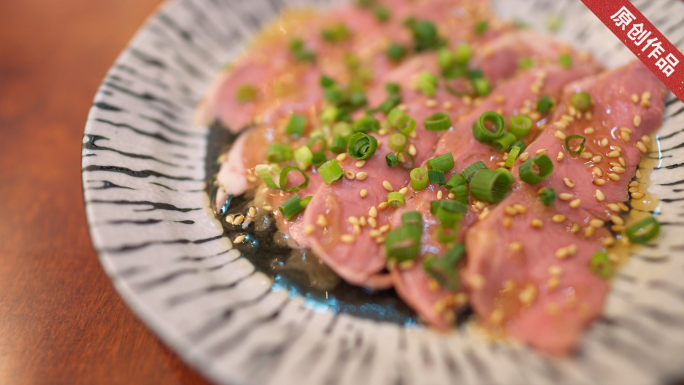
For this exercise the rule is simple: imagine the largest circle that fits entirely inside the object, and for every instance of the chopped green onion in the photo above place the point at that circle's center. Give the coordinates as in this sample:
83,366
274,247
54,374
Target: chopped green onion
343,130
392,101
475,74
267,173
427,83
357,99
305,201
520,125
529,175
438,121
362,146
318,159
442,163
391,159
482,86
544,104
395,51
296,124
643,231
460,193
333,95
326,81
469,171
336,33
401,156
548,196
565,61
491,185
444,269
329,115
283,179
402,122
397,141
419,178
448,212
520,145
484,135
338,145
581,145
436,176
366,124
303,157
299,52
512,156
455,180
403,243
291,207
412,218
330,171
481,27
395,199
504,143
446,234
246,93
392,88
526,63
312,142
581,101
445,59
278,153
600,264
382,14
424,34
462,53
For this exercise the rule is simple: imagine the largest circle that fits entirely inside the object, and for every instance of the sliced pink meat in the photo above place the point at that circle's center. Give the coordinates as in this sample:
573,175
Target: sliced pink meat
466,150
530,280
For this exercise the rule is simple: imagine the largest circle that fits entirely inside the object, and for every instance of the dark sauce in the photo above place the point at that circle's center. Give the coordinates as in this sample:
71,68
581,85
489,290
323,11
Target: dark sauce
268,257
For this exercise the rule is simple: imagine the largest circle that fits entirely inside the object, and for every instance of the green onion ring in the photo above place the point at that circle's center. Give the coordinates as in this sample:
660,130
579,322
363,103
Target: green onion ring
643,230
581,146
401,164
283,179
531,176
482,134
438,121
362,146
419,178
312,142
490,185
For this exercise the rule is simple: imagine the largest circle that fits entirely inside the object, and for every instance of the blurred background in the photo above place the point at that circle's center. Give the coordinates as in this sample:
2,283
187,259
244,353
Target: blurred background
61,322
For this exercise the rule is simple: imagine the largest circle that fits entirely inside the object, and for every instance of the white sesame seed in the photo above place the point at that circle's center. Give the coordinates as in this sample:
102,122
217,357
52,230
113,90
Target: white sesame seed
589,130
372,212
536,223
542,151
412,150
353,220
625,136
637,121
558,218
599,182
508,222
356,229
637,195
597,223
599,195
619,170
267,208
230,219
642,147
638,174
568,182
646,139
360,163
516,247
341,157
617,220
321,220
555,270
372,222
387,186
524,156
614,177
575,204
597,171
560,156
597,159
349,174
431,103
528,294
362,175
586,155
239,238
635,98
347,238
382,205
309,229
604,142
404,190
239,219
363,192
565,196
613,207
384,228
476,281
560,135
251,212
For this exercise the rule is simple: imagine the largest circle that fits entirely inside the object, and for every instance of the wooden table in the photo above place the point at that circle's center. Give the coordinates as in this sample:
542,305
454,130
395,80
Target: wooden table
61,322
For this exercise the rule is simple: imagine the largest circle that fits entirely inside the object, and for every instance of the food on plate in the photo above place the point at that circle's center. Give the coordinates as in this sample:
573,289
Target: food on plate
430,147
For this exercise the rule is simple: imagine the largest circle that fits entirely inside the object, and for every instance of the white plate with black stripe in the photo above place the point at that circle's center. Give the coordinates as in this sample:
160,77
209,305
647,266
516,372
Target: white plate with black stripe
144,176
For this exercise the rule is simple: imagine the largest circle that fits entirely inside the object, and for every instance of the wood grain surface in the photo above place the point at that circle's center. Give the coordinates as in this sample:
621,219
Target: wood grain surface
61,322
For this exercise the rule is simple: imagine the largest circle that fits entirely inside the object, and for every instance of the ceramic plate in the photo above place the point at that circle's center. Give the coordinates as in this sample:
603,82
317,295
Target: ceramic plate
144,184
